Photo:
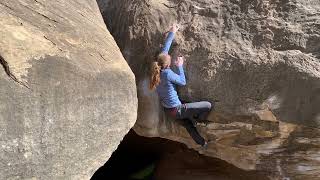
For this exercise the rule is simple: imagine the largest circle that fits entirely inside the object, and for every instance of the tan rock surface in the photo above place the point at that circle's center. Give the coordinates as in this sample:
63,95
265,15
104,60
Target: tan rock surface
259,58
67,96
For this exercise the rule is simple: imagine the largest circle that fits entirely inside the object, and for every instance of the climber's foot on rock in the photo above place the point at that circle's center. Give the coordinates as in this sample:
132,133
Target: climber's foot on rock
204,122
194,123
205,145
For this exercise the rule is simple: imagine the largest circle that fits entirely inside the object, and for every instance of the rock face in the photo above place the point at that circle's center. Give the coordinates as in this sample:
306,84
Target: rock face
259,58
67,95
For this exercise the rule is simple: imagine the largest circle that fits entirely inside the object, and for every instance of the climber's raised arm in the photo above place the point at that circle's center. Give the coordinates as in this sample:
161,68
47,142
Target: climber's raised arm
169,39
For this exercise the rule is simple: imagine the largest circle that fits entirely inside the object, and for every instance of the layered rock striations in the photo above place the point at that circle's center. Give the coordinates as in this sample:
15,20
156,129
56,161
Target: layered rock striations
259,58
67,96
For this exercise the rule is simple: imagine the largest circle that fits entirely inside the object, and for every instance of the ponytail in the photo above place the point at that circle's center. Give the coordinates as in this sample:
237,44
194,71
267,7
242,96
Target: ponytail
163,61
155,75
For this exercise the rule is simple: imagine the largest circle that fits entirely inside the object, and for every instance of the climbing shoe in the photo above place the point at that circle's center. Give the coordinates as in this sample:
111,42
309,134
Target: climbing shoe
205,145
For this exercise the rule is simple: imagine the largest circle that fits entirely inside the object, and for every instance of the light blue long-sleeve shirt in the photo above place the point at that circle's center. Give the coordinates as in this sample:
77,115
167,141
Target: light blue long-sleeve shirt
168,42
169,79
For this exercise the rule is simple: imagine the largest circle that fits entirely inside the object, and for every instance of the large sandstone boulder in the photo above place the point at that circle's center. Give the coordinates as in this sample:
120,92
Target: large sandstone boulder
259,58
67,96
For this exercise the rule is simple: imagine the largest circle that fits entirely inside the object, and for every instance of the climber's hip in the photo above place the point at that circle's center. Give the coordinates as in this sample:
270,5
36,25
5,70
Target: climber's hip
172,112
190,110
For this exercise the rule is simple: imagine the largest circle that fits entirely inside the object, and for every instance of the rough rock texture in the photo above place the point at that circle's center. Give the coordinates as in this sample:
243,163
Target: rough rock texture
67,96
169,160
260,58
186,164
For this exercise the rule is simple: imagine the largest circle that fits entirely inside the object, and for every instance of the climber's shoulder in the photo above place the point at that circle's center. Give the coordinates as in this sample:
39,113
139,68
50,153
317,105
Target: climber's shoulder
166,71
169,73
165,74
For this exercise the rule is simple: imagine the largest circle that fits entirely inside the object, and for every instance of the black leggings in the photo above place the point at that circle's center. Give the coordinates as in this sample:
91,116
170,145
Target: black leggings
189,114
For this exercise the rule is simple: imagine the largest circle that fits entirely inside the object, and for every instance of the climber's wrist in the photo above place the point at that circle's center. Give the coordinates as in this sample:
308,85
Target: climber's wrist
174,28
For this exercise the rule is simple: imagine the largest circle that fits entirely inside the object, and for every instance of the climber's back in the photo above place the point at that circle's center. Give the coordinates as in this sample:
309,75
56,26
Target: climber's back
166,88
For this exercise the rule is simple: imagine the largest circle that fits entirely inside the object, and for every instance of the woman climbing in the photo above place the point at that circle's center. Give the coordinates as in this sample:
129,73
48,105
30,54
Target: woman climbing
164,80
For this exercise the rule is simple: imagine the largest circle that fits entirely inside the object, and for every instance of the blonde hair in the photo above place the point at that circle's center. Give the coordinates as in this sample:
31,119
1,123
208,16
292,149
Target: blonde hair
163,61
